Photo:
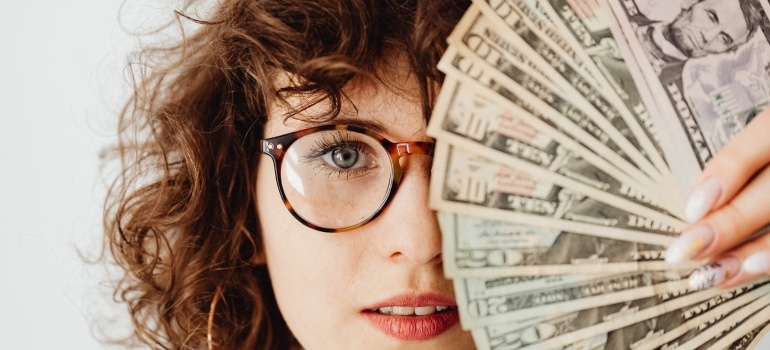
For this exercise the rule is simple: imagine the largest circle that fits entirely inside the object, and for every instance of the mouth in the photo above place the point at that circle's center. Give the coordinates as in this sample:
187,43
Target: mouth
413,317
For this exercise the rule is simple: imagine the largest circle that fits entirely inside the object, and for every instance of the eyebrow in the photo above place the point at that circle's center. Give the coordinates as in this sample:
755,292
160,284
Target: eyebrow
371,125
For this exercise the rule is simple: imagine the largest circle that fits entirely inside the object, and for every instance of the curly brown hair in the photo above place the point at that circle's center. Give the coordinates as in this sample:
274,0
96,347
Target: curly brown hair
180,218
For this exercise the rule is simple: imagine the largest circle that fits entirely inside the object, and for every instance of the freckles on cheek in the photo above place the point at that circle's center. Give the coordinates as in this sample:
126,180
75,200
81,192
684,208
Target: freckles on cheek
307,289
279,231
313,273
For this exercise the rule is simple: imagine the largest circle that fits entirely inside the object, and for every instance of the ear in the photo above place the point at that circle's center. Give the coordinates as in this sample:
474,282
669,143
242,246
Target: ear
688,3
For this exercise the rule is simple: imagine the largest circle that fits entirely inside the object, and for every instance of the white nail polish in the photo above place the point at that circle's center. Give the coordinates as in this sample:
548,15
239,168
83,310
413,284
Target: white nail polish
702,200
713,274
689,244
757,264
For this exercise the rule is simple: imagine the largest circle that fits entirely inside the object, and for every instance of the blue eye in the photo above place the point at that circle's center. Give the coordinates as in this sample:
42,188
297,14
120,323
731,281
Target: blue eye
342,156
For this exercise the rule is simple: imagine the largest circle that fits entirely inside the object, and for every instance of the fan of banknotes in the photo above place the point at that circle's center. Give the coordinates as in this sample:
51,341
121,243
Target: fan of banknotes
568,133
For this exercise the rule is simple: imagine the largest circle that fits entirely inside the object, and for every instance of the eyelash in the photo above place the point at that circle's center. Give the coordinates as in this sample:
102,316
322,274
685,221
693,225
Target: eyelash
326,145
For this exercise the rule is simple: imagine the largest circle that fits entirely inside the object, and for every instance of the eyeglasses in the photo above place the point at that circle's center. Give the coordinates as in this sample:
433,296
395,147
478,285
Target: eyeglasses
335,178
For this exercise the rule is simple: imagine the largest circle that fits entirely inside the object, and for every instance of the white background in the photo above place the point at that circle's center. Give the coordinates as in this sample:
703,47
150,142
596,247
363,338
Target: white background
61,84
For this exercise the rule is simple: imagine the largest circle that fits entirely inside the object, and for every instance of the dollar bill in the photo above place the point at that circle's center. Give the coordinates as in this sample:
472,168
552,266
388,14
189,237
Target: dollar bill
464,115
465,182
607,127
721,328
720,332
753,340
703,328
559,114
586,25
688,311
555,199
589,28
474,248
527,19
693,325
475,33
590,49
705,93
550,109
529,49
488,301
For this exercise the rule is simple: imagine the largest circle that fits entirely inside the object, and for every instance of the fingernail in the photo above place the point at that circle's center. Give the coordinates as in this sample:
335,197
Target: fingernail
714,273
689,244
757,263
702,200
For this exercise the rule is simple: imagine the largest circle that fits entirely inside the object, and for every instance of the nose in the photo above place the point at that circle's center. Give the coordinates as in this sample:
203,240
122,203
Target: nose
409,229
710,34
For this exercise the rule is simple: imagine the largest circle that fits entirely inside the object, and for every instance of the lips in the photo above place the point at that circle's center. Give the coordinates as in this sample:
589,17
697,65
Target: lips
413,317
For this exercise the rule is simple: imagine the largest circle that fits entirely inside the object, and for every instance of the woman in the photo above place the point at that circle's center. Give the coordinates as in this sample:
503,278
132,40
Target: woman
275,181
213,256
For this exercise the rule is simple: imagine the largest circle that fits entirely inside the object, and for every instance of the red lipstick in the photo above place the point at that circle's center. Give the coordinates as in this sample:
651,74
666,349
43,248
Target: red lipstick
413,327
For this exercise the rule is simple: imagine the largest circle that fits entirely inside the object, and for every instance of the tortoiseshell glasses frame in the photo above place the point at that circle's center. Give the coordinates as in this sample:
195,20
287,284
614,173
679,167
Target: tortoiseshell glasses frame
276,147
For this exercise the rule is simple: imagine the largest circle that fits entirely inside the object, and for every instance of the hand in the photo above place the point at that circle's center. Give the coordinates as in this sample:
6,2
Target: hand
730,202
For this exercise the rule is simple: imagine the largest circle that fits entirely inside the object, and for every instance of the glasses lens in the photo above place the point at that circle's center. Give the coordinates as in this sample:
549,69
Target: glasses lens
336,178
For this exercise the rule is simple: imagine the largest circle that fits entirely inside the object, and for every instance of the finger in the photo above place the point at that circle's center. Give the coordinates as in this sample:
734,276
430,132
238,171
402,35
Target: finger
755,261
733,166
739,218
727,226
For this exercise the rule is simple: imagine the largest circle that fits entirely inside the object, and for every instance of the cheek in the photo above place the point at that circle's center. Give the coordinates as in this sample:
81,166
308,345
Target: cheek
699,20
285,250
287,258
306,267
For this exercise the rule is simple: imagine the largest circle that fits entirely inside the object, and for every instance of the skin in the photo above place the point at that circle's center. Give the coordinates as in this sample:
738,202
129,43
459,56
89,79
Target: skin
709,27
742,168
323,281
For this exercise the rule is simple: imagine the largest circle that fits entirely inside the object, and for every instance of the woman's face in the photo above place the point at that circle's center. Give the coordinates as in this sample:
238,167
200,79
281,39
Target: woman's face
334,289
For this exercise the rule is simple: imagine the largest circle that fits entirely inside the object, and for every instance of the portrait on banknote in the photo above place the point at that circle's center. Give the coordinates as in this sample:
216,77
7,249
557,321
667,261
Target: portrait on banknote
701,28
709,63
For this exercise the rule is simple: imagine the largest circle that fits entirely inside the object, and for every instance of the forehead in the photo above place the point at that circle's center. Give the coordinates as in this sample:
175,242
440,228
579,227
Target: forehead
729,5
391,108
732,21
